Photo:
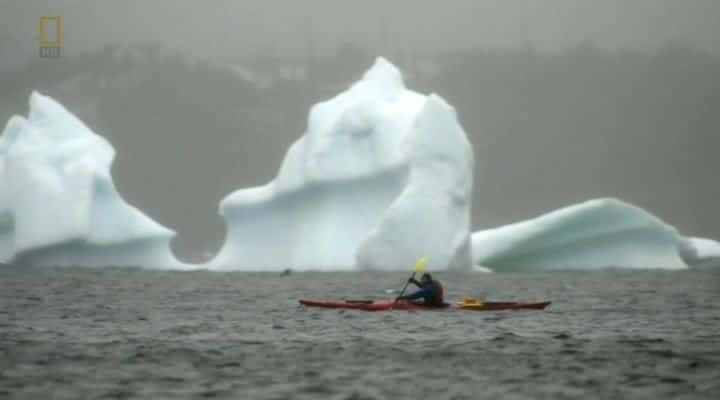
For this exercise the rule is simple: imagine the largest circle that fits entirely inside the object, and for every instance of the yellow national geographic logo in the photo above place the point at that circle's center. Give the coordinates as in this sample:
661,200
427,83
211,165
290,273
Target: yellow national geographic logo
50,36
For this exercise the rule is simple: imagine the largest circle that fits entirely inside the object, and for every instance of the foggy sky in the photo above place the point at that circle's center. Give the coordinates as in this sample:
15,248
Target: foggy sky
227,28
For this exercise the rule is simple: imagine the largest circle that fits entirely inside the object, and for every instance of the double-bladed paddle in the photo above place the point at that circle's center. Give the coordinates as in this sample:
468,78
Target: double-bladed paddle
419,267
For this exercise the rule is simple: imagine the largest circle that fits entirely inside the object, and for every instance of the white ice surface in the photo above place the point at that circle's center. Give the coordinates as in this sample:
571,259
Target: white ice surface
601,233
58,203
381,177
700,250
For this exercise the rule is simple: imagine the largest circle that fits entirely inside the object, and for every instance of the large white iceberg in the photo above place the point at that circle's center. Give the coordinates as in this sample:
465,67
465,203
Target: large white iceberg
601,233
58,204
381,177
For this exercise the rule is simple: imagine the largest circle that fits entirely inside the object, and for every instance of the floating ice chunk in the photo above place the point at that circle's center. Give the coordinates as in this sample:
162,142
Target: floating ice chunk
602,233
58,203
697,251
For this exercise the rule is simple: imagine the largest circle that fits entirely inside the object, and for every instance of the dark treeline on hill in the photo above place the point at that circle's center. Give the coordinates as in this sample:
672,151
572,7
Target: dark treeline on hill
549,129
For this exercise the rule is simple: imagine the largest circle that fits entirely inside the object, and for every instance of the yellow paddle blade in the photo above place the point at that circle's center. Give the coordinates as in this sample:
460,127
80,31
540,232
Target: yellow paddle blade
420,266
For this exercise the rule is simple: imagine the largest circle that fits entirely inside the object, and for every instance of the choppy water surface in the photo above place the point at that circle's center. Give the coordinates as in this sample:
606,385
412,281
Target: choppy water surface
123,333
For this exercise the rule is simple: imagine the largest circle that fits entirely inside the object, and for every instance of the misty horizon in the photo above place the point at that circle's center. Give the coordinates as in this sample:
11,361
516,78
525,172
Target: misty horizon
230,29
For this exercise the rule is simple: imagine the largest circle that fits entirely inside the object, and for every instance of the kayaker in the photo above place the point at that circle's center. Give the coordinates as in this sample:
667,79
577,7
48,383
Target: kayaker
431,291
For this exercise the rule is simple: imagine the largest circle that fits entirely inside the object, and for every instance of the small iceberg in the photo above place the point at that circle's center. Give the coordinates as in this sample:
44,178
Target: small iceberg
597,234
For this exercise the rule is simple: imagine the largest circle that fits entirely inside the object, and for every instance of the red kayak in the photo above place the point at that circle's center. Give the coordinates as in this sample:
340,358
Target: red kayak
388,305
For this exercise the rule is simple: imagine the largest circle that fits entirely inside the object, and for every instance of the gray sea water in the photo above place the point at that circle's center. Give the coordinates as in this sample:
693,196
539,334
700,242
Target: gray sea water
126,333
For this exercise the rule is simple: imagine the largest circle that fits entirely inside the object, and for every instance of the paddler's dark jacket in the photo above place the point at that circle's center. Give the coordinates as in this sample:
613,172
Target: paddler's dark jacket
431,293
